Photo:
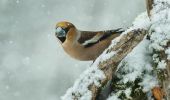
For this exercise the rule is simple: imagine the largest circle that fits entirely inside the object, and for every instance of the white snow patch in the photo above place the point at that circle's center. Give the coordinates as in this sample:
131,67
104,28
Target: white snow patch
148,83
156,46
162,64
168,53
107,56
142,21
155,58
113,97
139,61
128,93
80,88
131,76
160,20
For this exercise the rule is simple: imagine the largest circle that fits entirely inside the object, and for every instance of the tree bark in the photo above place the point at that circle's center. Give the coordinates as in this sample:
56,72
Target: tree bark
124,46
149,6
163,74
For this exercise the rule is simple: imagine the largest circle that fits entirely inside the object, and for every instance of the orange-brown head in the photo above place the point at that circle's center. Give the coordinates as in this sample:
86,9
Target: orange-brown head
65,30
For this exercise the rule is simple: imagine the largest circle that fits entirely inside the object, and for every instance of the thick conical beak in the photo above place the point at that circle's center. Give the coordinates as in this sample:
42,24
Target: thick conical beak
60,33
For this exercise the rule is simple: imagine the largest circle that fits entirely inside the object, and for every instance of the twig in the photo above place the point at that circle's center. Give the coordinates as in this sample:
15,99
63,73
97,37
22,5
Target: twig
149,6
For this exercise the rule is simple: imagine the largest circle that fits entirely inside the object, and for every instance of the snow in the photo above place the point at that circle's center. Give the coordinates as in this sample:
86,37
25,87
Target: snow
142,21
160,25
155,58
80,88
160,37
107,56
148,82
113,97
138,63
131,76
128,93
168,53
162,64
90,76
156,46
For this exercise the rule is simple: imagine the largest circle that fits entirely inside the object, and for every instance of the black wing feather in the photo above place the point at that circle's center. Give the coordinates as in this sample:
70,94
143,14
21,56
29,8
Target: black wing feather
87,35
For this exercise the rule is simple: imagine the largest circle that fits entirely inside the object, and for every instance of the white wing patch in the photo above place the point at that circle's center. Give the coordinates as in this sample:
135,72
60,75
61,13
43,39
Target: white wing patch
93,40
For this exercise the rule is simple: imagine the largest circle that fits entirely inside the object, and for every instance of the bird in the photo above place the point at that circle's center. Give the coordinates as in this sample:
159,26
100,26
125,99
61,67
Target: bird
84,45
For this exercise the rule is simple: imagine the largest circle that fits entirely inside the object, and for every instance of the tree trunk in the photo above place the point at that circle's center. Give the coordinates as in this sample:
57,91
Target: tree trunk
159,7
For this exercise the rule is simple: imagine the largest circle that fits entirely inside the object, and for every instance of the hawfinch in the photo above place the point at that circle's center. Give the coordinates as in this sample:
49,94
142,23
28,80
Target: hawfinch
84,45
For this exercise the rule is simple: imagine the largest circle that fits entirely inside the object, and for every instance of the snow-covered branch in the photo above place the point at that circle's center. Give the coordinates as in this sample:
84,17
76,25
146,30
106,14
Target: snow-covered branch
160,42
135,67
89,84
149,6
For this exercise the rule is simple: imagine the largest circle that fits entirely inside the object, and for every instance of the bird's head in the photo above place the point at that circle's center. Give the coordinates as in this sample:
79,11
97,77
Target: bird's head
63,29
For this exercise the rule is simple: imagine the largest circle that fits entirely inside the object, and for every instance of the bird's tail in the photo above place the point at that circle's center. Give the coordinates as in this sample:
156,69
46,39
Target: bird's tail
119,30
111,32
115,31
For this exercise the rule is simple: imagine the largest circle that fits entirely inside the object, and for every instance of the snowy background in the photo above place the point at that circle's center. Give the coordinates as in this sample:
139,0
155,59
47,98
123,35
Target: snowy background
33,65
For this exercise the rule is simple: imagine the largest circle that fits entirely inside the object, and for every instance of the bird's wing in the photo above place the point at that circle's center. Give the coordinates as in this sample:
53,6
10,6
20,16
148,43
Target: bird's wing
86,35
88,38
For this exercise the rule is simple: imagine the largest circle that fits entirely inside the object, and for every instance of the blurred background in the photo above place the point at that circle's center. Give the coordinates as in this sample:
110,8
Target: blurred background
33,66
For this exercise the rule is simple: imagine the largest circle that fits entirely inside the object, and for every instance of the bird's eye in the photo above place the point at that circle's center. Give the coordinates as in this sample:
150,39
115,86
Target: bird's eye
60,32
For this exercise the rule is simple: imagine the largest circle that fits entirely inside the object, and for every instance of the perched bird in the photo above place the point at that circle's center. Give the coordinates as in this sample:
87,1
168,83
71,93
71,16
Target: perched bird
84,45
